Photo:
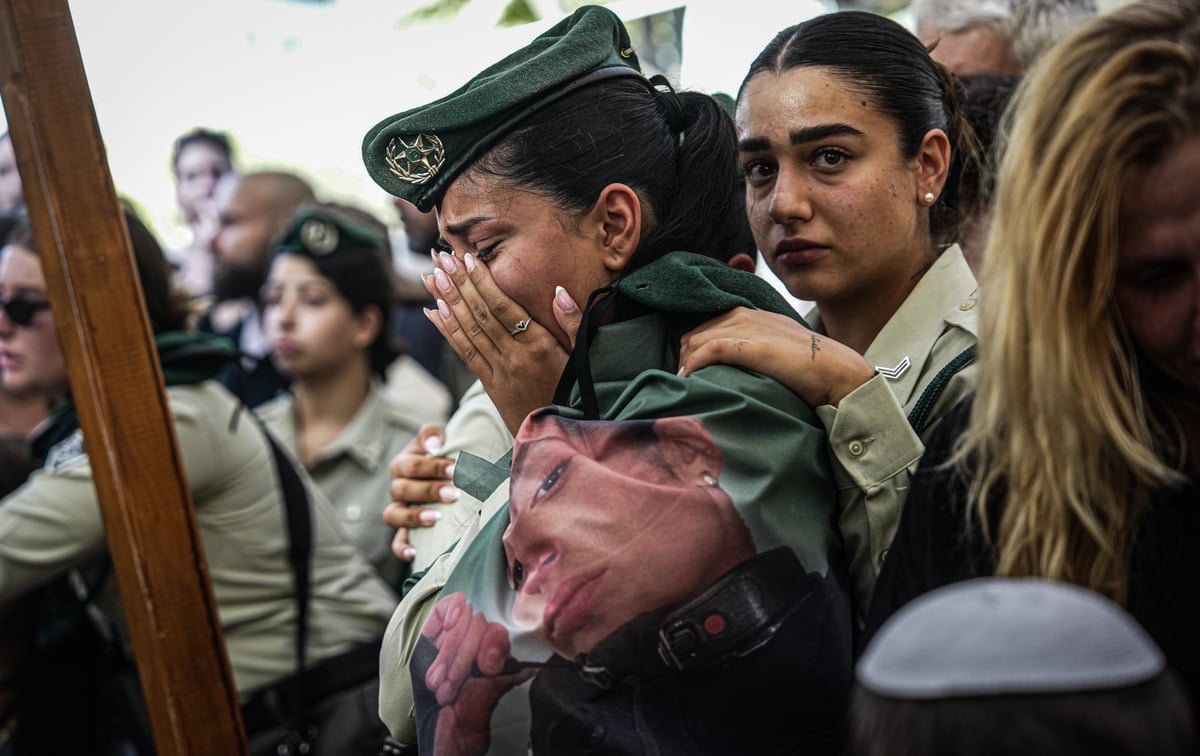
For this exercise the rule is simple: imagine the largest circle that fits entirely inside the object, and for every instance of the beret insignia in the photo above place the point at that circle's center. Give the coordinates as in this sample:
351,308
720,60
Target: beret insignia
319,237
415,161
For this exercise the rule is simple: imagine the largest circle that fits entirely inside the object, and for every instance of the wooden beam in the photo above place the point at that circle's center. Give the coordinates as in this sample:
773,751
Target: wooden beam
116,383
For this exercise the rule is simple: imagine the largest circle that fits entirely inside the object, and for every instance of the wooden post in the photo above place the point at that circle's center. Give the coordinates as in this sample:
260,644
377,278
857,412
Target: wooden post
117,384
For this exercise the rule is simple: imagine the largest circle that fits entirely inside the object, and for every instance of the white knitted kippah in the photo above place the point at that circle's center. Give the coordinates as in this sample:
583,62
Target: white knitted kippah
995,636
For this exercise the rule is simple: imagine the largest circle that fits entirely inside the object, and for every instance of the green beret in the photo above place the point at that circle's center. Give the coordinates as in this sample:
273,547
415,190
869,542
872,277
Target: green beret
317,231
416,154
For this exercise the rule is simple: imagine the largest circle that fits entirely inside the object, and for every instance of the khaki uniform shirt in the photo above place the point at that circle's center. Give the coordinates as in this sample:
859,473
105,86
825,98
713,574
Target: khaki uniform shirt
476,428
53,524
353,471
873,447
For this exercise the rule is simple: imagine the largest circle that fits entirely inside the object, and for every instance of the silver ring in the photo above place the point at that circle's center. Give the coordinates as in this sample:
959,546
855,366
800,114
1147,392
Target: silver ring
521,328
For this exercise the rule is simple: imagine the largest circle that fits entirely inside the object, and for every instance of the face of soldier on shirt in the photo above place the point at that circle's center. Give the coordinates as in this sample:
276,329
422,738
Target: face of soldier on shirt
610,520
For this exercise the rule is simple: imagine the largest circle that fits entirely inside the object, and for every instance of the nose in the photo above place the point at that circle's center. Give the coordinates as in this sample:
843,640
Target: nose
7,327
791,198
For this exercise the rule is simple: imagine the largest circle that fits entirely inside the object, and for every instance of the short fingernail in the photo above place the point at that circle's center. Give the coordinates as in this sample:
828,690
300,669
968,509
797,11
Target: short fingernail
444,309
429,516
443,280
564,299
448,262
469,261
448,493
410,553
433,444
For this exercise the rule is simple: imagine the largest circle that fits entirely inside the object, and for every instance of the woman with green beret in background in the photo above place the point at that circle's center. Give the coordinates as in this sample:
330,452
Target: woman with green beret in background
327,304
584,211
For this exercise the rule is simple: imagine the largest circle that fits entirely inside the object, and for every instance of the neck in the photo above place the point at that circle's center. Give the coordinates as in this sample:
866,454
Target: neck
857,320
326,404
19,415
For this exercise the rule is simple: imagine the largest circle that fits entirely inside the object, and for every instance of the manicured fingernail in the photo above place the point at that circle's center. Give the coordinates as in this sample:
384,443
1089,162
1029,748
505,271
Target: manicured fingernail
452,614
682,372
450,471
448,263
429,516
410,553
433,256
564,299
433,444
448,493
434,676
444,309
428,313
443,280
469,261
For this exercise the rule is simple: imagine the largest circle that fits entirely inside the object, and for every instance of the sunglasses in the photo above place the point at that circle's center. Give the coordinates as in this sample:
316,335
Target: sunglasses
22,311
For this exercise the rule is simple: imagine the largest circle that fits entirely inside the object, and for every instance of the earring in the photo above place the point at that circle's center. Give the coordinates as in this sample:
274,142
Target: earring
929,198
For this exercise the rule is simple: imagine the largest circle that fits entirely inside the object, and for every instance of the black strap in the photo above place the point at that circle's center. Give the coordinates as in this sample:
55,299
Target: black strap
918,418
579,368
299,525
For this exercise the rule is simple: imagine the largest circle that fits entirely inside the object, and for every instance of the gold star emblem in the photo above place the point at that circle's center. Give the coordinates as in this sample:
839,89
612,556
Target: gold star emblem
415,161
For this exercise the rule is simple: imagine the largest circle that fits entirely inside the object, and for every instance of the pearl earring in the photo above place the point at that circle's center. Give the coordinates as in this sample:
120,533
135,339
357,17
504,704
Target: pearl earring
929,198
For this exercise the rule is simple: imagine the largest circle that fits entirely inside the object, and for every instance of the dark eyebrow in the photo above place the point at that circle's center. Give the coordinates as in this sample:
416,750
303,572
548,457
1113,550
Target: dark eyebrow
460,228
800,137
817,133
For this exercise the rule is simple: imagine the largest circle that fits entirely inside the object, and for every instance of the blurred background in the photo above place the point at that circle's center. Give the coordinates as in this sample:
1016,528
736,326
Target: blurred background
297,83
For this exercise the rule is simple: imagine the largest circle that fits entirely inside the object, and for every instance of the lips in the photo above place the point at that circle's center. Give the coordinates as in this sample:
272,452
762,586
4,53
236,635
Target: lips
286,348
799,251
568,609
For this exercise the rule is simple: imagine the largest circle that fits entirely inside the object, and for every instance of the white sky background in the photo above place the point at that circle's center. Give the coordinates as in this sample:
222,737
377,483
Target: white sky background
298,86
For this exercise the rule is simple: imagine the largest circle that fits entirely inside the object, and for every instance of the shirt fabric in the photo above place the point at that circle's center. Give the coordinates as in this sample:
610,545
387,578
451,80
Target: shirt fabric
352,471
874,448
53,524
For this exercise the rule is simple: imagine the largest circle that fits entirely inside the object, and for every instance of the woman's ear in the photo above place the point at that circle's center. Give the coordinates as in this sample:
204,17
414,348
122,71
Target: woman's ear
933,166
617,219
366,326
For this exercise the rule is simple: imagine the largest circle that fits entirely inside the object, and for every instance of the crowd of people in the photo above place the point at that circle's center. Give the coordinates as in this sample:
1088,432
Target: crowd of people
580,482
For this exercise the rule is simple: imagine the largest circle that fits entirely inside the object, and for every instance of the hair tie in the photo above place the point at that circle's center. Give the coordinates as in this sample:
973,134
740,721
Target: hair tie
669,104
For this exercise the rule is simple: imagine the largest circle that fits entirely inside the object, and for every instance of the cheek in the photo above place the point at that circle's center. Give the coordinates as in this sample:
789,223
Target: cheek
1157,324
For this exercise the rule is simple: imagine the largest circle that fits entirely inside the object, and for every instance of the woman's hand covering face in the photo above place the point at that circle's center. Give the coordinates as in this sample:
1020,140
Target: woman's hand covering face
519,366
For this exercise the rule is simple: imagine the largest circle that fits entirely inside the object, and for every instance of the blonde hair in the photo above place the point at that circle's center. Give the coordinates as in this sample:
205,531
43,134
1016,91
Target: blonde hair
1062,432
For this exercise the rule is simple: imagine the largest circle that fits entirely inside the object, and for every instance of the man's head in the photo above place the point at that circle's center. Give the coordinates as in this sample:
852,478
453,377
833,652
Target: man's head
612,519
252,209
420,227
995,36
12,195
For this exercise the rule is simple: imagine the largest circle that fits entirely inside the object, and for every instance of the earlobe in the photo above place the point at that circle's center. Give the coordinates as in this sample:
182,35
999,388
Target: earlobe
619,215
370,321
933,166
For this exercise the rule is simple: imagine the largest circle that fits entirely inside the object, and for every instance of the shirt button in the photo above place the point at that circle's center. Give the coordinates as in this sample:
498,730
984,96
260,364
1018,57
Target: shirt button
967,305
353,511
857,448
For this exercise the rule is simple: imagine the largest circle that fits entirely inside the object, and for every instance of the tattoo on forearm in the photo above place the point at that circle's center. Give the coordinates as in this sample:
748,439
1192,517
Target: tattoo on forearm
815,348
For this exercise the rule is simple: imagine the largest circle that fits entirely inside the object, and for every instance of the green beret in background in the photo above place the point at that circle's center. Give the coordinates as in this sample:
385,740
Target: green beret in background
416,154
317,231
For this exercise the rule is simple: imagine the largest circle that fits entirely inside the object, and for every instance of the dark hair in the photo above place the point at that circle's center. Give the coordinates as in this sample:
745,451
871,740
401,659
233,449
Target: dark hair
217,139
363,276
678,151
888,65
1151,719
985,98
166,305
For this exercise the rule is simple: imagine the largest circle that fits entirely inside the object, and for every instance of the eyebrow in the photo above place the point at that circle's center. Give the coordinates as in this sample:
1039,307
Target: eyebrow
802,136
463,226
